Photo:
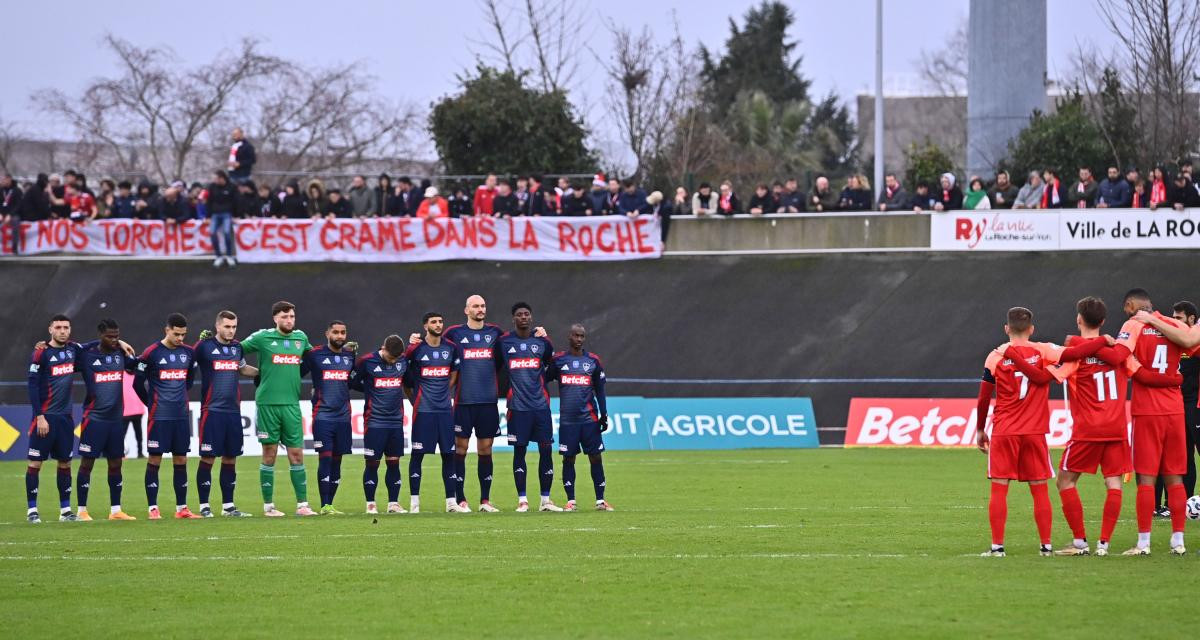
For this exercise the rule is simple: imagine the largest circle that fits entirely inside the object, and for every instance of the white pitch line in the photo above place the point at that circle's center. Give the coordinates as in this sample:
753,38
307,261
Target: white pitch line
457,557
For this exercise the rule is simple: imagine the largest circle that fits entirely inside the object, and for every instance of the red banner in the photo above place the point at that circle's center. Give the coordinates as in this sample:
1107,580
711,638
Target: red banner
357,240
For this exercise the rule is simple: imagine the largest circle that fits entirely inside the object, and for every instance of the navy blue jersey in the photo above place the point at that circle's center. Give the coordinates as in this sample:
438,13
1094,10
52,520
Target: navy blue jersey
383,386
103,375
523,363
581,379
166,375
429,370
330,382
50,374
477,382
220,366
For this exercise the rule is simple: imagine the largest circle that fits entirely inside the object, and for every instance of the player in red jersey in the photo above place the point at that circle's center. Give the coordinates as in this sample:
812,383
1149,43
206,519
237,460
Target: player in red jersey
1159,429
1099,433
1018,372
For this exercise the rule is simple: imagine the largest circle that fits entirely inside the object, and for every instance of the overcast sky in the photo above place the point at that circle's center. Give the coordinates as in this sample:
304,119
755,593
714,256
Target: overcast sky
416,48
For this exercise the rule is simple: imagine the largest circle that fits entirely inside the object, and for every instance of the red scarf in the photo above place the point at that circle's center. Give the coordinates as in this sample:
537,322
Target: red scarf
1046,201
1158,192
725,201
1137,200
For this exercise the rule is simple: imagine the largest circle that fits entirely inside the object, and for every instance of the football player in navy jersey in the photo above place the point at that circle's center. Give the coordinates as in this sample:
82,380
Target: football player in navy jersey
432,375
475,398
330,366
582,413
52,428
220,361
102,431
522,359
165,372
380,375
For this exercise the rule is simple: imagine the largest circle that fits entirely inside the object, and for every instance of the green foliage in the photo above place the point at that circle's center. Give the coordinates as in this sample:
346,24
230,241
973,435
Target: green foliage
1065,140
757,57
497,124
926,163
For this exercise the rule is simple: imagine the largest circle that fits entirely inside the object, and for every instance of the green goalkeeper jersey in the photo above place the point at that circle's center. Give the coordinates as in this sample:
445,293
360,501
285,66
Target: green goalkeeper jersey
279,356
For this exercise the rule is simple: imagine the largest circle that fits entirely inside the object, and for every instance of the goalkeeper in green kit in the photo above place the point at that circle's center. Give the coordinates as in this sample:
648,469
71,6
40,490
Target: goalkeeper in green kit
280,351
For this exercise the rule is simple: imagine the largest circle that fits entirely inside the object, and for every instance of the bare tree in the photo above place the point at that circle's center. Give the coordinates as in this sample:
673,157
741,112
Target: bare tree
535,38
945,70
9,134
156,104
1159,52
313,120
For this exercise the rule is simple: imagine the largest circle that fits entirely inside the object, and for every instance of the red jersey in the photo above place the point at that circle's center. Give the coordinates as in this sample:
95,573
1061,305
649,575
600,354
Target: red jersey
82,204
1153,350
483,199
1096,396
1022,407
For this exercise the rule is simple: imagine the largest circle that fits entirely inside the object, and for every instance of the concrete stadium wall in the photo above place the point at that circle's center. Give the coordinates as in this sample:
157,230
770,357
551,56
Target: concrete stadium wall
860,320
798,232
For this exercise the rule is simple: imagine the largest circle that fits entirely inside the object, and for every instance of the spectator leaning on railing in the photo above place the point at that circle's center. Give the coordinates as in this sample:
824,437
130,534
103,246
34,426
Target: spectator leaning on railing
1003,193
893,197
682,204
484,194
949,197
1114,191
793,199
1182,194
762,201
976,197
433,205
632,199
1158,187
1030,195
1052,190
1082,194
362,198
856,195
383,191
923,199
704,201
728,202
823,197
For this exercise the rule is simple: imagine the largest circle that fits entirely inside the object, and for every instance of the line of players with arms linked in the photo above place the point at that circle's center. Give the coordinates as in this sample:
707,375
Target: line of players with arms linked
1097,370
453,378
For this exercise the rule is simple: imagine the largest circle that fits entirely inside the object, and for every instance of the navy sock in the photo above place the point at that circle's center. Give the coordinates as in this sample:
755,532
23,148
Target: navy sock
568,468
180,482
115,481
324,476
545,468
460,476
414,474
598,479
64,488
335,474
485,477
370,479
31,486
228,481
393,479
203,481
83,483
152,484
519,468
449,478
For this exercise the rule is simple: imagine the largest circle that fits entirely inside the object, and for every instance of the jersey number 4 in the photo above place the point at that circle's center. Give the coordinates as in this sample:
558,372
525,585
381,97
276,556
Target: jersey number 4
1160,359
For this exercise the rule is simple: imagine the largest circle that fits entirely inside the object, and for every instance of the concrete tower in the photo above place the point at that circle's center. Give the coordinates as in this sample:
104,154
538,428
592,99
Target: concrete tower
1006,76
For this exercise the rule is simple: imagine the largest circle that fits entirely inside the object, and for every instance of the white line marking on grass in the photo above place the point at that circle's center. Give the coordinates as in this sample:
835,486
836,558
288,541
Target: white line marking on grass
457,557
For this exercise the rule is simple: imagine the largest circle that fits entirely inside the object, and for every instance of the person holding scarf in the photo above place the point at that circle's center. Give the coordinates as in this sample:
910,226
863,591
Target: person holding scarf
728,204
1052,196
951,197
1158,187
976,197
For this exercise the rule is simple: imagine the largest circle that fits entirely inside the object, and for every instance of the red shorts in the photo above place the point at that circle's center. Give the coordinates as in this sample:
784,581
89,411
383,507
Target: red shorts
1022,457
1112,457
1160,445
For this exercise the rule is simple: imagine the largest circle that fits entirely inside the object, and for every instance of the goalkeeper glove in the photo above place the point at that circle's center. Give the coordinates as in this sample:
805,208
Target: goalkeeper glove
603,424
206,334
351,346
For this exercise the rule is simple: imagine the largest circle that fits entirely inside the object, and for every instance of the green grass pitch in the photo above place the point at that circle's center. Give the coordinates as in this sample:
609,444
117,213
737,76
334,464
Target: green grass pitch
753,543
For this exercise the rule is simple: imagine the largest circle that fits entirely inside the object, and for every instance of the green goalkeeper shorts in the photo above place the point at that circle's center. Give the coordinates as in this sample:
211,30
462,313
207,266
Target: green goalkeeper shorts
280,423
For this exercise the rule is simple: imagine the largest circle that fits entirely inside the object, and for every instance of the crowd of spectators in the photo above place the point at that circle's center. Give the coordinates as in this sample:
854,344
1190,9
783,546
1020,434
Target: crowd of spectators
232,193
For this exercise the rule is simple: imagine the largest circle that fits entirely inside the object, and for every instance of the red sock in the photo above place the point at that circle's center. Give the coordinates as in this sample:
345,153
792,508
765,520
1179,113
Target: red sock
1177,503
1043,512
1072,510
998,511
1145,507
1112,512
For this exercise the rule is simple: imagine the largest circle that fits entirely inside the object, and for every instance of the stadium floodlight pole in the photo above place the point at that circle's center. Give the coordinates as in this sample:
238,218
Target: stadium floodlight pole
878,97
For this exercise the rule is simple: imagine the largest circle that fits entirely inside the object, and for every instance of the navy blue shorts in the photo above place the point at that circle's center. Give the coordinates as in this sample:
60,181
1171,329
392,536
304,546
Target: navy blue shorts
332,436
483,418
173,436
571,436
101,438
220,434
530,426
57,443
430,430
383,441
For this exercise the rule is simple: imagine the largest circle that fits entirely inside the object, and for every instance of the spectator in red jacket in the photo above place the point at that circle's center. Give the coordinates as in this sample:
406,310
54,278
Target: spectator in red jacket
434,205
484,195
